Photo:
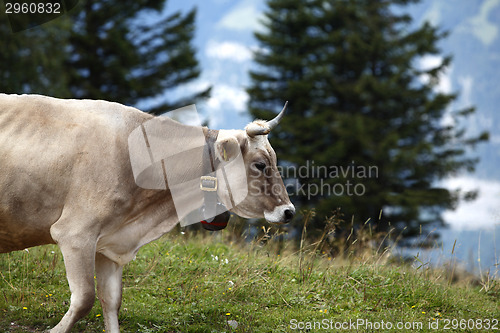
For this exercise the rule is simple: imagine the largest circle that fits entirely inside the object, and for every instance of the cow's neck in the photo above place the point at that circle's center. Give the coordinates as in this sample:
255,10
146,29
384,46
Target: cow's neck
151,216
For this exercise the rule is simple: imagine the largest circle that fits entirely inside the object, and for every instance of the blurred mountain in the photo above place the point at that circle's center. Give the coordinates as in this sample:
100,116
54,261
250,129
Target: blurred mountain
474,42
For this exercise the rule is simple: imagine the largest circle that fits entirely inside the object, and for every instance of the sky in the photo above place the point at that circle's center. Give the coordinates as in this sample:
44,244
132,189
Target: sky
224,42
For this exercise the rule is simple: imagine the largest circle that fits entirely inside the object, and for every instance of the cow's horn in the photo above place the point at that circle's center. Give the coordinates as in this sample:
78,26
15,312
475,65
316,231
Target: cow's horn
262,128
272,123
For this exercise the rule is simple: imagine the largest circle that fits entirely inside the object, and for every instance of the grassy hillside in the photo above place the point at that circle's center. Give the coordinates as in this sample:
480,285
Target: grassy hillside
190,284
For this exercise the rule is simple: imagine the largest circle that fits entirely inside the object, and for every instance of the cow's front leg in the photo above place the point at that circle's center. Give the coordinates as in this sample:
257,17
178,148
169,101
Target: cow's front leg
109,290
79,259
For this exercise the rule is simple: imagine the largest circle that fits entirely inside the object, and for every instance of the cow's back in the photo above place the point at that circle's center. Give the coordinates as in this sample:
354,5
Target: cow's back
55,154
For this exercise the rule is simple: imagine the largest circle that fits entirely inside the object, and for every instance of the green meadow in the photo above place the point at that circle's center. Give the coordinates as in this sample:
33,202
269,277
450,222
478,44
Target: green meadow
216,283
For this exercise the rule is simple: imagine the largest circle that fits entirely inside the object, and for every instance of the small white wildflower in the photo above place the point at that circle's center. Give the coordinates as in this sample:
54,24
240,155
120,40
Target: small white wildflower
231,283
233,324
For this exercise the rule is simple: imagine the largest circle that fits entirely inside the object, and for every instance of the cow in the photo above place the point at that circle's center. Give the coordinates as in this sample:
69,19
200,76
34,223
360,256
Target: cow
66,179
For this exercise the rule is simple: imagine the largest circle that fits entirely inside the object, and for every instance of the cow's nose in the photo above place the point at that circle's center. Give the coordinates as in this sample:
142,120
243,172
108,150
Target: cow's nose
289,214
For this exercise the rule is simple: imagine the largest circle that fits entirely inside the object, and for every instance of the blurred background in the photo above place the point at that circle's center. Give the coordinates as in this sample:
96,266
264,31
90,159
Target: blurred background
407,88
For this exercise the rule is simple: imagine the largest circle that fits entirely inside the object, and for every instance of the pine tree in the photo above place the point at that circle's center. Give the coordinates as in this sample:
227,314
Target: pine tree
121,51
358,102
117,57
28,65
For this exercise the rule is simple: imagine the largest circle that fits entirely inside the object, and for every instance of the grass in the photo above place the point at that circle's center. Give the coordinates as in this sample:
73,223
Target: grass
193,284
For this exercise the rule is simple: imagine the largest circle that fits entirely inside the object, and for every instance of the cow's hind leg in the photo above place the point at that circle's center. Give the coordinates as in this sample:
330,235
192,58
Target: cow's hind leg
79,258
109,290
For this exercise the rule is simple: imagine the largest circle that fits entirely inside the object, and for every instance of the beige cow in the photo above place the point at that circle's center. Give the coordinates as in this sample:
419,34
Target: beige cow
66,179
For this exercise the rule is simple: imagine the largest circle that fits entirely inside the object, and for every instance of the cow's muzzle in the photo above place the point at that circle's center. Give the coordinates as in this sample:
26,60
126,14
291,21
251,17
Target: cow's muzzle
280,214
289,214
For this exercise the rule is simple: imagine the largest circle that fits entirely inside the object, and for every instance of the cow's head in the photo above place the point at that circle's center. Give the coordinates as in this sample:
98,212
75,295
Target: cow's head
267,196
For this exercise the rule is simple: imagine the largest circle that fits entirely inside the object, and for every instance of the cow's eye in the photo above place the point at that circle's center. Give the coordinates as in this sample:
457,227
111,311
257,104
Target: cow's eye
260,166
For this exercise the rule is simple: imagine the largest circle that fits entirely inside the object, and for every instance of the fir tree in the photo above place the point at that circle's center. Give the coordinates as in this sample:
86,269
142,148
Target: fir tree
358,102
116,56
32,60
121,51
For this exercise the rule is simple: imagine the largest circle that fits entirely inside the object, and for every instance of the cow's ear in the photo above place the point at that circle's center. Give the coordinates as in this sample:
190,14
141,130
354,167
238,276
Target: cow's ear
227,148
